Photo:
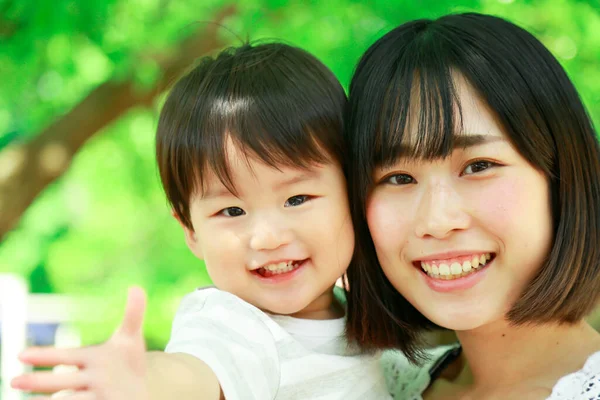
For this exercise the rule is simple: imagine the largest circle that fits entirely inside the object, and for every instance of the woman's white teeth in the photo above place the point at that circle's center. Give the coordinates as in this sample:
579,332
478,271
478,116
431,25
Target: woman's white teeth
453,270
280,268
444,269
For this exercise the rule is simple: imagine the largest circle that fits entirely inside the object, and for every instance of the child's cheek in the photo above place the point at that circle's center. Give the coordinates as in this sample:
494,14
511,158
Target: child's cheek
223,251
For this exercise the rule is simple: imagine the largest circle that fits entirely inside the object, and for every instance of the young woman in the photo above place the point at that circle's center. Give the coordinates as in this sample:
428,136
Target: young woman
475,180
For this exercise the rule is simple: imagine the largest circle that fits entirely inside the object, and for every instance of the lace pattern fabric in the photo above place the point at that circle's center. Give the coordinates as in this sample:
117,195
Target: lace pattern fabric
408,381
581,385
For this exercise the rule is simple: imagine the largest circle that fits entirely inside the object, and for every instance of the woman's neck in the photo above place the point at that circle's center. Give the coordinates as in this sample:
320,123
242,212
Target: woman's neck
500,354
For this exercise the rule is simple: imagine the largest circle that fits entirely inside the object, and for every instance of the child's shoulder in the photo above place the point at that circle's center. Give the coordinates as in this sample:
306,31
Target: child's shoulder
232,337
210,296
212,303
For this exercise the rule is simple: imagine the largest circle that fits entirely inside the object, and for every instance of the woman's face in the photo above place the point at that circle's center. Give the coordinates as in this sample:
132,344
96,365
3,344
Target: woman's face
461,237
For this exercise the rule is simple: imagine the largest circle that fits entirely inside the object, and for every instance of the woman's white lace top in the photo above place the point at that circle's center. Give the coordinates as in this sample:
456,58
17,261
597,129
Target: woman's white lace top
583,384
408,381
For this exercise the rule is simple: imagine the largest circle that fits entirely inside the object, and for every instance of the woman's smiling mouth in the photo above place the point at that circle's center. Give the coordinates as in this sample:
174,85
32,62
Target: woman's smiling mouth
455,267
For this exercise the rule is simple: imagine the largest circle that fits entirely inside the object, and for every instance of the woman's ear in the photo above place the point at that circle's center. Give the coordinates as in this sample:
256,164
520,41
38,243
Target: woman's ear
191,239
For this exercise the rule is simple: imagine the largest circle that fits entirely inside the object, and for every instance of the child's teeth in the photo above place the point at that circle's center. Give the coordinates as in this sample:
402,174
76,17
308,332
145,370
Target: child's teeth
280,268
475,262
435,270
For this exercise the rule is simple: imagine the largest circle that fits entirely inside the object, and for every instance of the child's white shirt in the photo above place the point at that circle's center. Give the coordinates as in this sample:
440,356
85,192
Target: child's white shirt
258,356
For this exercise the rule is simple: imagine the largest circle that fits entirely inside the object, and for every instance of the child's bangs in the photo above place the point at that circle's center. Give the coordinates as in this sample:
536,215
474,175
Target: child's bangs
420,115
261,129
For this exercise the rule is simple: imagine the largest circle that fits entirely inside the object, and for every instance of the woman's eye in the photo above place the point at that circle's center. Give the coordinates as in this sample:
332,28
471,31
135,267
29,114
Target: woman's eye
296,201
400,179
232,212
478,166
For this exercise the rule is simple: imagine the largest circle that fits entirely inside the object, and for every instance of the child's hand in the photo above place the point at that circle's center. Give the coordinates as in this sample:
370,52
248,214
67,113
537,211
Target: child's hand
114,370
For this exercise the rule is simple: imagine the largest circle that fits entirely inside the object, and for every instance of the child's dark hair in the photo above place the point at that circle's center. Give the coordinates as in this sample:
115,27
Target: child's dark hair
275,102
543,117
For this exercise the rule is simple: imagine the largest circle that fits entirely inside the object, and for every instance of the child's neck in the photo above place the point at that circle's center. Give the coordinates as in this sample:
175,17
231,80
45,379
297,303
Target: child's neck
325,306
499,354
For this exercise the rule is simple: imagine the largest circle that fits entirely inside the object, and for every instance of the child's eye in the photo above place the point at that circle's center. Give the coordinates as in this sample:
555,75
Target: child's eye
296,201
478,166
232,212
400,179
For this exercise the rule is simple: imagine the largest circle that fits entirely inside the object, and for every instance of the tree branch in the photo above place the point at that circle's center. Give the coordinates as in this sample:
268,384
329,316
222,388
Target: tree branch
26,169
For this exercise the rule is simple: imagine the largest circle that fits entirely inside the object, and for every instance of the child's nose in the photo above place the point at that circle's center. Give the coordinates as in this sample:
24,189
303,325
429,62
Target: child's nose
269,233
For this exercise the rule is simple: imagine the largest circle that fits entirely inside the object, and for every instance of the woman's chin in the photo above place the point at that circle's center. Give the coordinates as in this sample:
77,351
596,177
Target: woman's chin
457,320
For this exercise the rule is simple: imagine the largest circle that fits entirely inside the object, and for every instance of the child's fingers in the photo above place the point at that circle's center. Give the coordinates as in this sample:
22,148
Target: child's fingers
51,356
50,382
134,313
81,395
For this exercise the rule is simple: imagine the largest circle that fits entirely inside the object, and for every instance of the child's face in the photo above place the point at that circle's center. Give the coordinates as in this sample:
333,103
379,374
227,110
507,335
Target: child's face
430,219
283,242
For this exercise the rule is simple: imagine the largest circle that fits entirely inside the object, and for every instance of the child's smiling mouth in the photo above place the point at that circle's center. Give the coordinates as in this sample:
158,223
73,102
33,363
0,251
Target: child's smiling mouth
278,268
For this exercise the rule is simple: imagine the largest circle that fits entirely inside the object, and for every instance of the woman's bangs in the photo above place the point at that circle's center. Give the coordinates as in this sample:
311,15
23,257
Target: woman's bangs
420,114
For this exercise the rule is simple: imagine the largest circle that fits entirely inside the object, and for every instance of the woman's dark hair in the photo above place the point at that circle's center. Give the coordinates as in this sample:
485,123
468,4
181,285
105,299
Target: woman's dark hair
408,77
276,102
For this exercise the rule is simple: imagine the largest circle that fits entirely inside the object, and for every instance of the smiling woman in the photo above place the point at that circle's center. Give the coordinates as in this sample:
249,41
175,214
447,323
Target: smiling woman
482,200
473,167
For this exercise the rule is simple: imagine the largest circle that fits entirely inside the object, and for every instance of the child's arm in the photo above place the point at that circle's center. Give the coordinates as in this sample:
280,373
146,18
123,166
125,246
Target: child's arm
120,368
180,376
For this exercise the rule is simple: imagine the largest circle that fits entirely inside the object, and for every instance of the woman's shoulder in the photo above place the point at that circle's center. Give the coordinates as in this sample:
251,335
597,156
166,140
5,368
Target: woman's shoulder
582,384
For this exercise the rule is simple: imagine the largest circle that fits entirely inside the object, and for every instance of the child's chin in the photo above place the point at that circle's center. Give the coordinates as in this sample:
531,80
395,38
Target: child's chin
285,309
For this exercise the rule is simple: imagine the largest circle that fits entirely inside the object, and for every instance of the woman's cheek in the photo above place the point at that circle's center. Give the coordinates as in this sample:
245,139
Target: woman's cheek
500,205
386,219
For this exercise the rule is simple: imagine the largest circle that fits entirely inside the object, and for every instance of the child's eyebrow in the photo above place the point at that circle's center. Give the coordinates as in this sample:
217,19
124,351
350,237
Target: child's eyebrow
302,177
215,192
221,191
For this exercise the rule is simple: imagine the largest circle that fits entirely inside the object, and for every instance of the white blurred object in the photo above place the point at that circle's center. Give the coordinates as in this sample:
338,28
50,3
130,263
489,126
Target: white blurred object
13,309
18,308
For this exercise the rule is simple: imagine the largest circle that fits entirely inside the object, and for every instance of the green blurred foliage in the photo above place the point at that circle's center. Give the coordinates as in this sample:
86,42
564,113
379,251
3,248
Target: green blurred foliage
105,224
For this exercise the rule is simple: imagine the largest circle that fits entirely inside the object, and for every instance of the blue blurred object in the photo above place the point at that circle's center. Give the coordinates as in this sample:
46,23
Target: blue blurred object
39,334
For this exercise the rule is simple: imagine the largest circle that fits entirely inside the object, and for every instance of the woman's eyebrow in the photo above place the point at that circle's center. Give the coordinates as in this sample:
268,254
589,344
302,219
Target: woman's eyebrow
465,141
460,141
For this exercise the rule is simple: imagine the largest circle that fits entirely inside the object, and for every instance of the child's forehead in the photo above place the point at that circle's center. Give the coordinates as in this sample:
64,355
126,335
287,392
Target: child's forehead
234,165
247,175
